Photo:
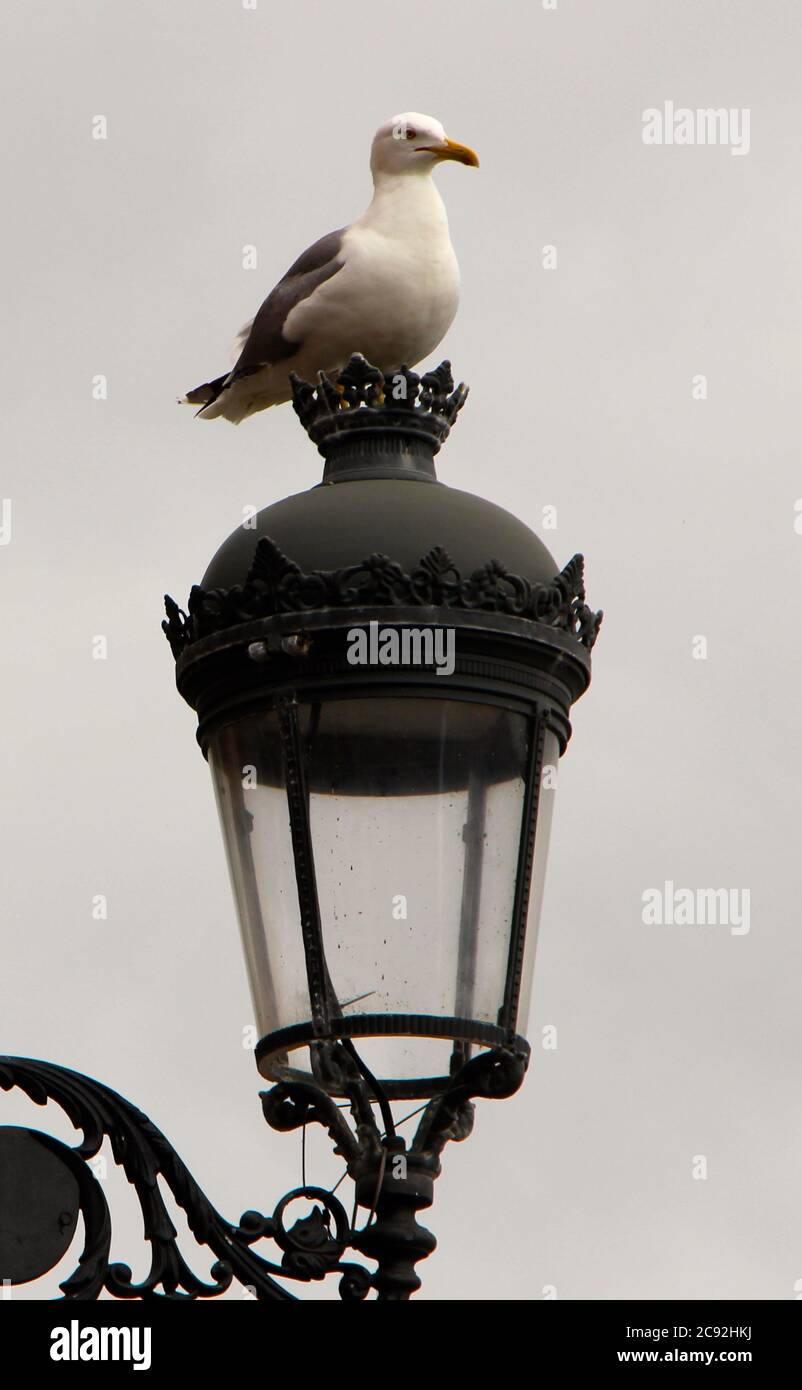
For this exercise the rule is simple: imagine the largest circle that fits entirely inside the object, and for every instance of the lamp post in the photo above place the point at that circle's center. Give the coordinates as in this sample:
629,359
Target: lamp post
383,669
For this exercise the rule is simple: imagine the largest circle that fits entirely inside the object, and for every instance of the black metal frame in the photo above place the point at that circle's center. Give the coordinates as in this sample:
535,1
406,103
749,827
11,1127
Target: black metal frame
271,1050
499,659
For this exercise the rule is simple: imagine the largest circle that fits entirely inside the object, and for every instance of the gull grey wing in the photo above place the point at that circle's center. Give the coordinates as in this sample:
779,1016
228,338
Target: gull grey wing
239,342
266,342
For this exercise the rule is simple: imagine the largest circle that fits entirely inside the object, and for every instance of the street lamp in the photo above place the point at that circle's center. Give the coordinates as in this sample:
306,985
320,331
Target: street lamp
383,669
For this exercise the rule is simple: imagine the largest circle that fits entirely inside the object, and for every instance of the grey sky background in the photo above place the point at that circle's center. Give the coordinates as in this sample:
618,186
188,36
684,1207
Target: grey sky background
229,127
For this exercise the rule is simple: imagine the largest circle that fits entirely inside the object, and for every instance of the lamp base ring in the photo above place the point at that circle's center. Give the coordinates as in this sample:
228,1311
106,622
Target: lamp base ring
274,1064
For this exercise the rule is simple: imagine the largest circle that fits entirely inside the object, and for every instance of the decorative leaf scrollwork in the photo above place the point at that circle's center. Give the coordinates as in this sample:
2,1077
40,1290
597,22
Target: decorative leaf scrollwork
312,1248
277,585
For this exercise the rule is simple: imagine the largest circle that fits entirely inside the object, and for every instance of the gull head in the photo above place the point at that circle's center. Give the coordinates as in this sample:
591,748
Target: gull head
414,144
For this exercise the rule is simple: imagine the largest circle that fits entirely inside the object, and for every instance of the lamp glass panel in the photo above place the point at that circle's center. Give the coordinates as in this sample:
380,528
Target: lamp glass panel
415,808
252,804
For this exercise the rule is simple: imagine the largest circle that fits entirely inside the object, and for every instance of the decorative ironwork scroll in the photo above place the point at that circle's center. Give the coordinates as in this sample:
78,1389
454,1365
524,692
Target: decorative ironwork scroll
46,1184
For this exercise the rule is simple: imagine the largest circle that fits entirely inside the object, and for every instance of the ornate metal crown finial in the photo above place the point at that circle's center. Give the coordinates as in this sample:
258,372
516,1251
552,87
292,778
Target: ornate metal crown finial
363,399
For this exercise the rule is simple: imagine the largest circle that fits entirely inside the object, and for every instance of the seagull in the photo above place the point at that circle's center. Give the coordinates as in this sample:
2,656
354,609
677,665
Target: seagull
387,286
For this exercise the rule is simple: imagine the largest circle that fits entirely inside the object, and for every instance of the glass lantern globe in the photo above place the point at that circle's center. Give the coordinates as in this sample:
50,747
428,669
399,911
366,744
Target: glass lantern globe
413,815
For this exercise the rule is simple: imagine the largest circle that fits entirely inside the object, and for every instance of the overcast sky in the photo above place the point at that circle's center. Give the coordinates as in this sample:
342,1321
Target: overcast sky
230,127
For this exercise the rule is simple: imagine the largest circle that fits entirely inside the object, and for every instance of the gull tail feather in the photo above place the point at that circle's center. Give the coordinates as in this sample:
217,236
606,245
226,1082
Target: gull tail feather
205,394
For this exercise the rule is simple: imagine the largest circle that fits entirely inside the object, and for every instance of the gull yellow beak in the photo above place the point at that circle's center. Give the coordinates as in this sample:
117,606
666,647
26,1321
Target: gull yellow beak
463,154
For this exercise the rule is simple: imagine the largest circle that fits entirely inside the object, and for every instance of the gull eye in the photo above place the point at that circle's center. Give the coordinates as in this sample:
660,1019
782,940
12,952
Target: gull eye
411,134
